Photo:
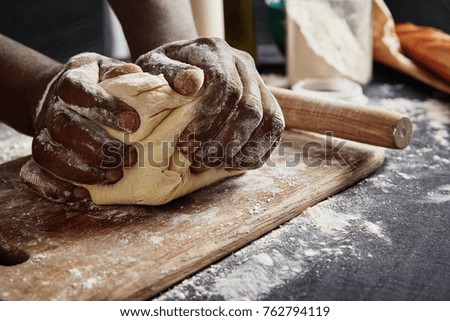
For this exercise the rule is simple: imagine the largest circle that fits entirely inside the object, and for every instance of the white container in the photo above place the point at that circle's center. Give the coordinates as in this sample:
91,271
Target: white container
331,88
209,19
329,39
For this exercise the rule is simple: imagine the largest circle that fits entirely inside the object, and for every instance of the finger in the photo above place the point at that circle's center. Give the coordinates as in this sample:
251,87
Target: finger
223,84
87,139
79,88
214,109
183,78
49,186
110,68
239,126
65,164
51,92
265,137
260,161
223,87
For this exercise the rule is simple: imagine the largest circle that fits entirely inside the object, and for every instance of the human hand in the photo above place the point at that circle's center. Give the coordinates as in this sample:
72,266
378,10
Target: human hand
70,145
239,122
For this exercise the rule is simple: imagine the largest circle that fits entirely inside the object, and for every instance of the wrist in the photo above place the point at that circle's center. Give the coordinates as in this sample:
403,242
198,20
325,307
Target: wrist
37,90
151,23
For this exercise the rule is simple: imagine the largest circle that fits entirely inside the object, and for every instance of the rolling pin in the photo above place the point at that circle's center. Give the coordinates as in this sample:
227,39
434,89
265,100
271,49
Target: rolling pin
344,120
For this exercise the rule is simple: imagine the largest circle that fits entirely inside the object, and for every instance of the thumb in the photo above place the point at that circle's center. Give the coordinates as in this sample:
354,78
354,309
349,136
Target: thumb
185,79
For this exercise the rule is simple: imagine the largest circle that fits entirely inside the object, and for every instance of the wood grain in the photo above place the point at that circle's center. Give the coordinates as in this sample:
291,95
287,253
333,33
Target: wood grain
345,120
85,252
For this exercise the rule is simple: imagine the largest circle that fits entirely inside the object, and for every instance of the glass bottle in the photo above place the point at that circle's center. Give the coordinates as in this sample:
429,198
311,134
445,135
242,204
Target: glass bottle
240,25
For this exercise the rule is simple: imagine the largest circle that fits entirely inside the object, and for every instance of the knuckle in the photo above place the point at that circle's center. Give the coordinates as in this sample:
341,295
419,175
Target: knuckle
41,146
246,59
245,56
66,82
277,125
211,41
253,109
82,59
143,59
232,88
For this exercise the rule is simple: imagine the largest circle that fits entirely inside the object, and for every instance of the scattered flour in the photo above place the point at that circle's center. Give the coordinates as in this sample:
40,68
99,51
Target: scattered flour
90,283
39,257
327,220
13,144
405,176
264,259
434,112
440,195
333,231
321,234
374,229
75,273
156,239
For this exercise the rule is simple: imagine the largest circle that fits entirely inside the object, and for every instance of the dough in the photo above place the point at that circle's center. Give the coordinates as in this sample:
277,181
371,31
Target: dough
162,173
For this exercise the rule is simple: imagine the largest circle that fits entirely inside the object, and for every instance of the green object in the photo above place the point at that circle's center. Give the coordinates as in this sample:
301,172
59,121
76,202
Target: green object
276,4
277,22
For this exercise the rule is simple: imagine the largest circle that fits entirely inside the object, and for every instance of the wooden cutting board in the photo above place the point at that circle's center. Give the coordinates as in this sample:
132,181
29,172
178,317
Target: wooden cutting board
84,251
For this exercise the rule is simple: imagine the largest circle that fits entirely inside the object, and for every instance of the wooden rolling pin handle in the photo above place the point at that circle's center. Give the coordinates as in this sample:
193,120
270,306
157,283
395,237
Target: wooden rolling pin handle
345,120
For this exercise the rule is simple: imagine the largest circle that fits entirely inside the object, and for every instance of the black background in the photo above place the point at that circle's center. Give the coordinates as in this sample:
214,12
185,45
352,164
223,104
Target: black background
62,28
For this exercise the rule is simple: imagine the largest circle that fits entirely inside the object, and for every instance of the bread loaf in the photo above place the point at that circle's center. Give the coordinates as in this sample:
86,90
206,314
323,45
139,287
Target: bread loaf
427,46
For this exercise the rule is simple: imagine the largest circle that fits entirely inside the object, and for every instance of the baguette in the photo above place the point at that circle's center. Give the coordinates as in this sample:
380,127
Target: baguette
387,50
427,46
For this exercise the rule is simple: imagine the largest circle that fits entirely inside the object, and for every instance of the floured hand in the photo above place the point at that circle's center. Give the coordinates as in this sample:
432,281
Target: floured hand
70,145
239,122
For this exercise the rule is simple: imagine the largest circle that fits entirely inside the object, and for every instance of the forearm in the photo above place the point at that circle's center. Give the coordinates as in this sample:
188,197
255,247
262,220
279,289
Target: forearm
24,76
148,24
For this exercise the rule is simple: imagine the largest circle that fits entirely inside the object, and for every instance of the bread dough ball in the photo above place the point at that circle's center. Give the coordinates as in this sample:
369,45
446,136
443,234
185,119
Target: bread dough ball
162,172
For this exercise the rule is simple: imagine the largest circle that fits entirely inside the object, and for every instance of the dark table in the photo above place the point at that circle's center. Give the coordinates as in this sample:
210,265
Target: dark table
385,238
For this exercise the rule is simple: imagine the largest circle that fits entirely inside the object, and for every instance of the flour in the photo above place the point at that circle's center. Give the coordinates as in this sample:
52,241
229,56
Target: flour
13,144
322,234
90,283
405,176
327,220
40,257
322,45
75,273
264,259
439,195
374,229
438,159
339,229
156,239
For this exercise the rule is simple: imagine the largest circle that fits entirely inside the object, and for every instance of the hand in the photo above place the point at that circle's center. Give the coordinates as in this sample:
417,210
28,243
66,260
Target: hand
70,145
238,122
